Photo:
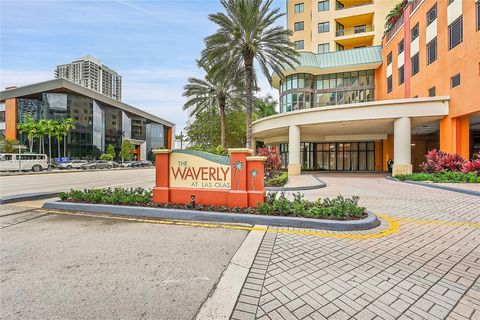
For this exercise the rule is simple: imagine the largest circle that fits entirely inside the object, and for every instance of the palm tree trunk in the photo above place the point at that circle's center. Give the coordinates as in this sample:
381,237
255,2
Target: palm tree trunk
65,145
249,97
58,146
50,148
221,105
30,142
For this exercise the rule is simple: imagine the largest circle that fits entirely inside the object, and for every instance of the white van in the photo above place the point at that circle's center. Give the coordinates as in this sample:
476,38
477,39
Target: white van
24,162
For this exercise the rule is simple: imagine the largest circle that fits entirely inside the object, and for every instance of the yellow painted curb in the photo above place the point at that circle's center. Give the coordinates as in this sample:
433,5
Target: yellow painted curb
393,226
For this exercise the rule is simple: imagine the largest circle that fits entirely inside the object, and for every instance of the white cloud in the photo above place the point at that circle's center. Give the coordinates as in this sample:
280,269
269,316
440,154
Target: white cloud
17,78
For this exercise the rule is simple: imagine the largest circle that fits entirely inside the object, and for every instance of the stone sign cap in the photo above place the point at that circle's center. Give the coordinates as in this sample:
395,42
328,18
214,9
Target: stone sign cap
155,151
240,150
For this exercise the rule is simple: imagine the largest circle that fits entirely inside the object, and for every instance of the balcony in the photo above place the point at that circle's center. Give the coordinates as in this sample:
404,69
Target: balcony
354,30
347,4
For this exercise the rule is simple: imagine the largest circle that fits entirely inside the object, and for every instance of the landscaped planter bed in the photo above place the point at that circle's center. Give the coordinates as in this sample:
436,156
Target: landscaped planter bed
280,212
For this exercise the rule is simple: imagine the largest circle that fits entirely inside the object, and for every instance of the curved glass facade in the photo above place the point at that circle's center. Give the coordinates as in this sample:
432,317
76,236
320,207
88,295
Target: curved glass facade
304,91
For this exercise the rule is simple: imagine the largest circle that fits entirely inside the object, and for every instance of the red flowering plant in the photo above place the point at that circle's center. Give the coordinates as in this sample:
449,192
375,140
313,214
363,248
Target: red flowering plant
273,162
438,161
472,166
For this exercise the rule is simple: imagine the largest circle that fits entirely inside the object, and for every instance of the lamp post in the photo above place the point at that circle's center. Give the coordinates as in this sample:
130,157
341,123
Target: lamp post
20,148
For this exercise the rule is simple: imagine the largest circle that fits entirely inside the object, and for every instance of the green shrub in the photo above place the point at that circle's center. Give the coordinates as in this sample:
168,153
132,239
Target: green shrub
277,181
106,157
442,177
130,196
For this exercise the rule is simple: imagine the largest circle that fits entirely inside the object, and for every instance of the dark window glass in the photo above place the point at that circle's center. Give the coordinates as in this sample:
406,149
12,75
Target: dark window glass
415,64
432,51
299,45
324,5
298,26
389,58
298,8
455,80
401,75
455,33
415,32
450,1
324,47
431,92
323,27
432,14
401,47
478,15
389,84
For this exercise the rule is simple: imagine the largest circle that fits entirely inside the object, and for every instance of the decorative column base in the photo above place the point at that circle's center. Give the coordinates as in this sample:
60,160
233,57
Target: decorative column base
294,169
401,169
161,195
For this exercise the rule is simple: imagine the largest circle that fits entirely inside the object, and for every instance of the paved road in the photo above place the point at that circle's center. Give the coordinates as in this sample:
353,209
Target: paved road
428,268
67,267
10,185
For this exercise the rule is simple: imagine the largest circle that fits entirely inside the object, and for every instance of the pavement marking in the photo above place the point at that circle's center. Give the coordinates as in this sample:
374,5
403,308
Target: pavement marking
393,226
467,224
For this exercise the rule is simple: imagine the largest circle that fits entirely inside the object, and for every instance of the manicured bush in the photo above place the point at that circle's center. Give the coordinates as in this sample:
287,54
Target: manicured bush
279,181
106,157
132,196
273,162
472,166
442,177
437,161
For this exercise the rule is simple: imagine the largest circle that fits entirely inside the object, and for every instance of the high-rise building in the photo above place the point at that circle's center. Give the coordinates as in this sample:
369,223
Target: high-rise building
91,73
367,91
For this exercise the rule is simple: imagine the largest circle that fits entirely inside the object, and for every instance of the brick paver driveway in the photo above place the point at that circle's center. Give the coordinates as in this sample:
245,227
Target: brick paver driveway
428,268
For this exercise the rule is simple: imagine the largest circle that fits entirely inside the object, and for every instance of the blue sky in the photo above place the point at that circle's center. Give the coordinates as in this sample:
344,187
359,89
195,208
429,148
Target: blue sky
152,44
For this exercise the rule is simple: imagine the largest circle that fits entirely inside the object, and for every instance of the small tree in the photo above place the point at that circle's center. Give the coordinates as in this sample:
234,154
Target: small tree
106,157
6,145
111,151
126,150
273,162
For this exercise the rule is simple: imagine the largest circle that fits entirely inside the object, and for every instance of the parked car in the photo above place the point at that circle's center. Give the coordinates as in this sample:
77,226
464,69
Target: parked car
126,164
142,164
115,164
73,164
100,164
24,162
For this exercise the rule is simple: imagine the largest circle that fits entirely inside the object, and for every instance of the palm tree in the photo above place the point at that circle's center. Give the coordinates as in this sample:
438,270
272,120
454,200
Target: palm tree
29,127
58,134
50,128
217,90
248,32
66,127
42,131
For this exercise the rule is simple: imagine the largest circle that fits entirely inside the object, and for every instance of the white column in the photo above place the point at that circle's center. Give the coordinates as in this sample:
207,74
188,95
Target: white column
402,160
294,166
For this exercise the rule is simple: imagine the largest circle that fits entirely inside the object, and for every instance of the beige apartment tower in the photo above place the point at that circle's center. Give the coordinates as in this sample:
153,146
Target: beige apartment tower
333,25
91,73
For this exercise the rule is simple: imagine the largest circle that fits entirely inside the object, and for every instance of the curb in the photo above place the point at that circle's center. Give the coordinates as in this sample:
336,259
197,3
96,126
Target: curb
223,297
371,221
438,186
28,197
56,171
320,185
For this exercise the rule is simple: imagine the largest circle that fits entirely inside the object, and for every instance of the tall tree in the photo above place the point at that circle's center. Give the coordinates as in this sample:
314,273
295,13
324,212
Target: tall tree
58,134
248,32
50,127
30,128
264,107
218,90
66,126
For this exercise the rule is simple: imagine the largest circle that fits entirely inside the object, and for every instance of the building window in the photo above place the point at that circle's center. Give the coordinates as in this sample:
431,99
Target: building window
431,92
299,7
415,32
389,84
432,14
299,45
478,15
401,75
455,33
298,26
323,5
389,58
401,47
415,64
323,27
455,80
449,2
324,47
432,51
340,47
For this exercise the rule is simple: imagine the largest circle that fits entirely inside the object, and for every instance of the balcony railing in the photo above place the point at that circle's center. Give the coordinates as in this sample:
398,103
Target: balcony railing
398,24
354,6
354,30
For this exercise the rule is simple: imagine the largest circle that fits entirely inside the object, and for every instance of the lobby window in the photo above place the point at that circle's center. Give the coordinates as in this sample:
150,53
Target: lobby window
401,75
389,58
415,64
298,26
299,7
431,92
323,5
323,27
477,6
415,32
432,14
324,47
432,51
401,46
299,45
455,80
389,84
455,33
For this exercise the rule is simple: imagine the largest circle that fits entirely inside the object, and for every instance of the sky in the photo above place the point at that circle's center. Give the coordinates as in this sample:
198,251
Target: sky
152,44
